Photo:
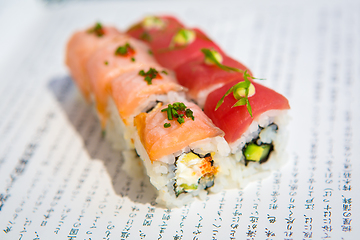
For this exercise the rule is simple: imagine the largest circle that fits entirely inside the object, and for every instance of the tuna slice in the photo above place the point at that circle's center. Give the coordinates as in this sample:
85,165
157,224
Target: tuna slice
149,35
173,56
234,121
201,78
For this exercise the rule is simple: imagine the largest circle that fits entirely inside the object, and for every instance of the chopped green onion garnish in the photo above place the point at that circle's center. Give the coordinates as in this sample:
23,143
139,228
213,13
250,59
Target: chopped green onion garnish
149,75
180,120
145,36
148,80
210,55
167,125
183,37
241,93
124,50
174,113
176,110
97,29
153,22
189,114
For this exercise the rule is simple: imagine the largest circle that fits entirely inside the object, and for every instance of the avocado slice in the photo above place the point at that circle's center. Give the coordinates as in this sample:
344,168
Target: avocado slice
187,187
183,188
257,153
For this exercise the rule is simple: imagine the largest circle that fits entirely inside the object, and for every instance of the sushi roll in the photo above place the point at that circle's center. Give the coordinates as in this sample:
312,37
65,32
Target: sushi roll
134,92
187,152
254,125
119,75
182,151
117,57
81,46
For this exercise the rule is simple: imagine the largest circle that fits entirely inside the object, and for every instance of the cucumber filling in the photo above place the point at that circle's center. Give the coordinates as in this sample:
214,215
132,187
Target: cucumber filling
193,171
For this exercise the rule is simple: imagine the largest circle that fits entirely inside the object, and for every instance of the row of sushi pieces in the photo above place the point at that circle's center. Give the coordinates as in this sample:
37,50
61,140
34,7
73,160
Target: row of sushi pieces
195,116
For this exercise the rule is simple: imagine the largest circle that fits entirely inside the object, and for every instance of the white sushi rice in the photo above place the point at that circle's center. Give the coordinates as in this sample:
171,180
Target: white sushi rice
202,95
132,164
162,173
117,133
255,170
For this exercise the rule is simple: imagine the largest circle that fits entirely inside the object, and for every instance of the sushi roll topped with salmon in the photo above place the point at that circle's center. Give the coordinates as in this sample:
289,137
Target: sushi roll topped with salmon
179,141
80,48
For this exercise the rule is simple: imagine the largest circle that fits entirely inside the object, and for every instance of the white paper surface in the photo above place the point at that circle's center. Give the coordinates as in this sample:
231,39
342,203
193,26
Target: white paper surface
60,180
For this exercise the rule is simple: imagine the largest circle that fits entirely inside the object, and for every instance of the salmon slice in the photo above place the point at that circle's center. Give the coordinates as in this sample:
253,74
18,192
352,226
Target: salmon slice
130,90
234,121
109,62
78,51
160,141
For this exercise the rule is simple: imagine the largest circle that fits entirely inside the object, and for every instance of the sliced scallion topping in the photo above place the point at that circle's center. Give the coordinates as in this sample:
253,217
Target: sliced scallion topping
125,50
167,125
145,36
152,22
241,91
98,30
180,119
214,55
210,56
178,111
189,114
150,75
183,37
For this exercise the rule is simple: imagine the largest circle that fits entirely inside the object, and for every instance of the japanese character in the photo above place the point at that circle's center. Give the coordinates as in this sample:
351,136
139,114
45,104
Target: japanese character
307,234
327,228
272,219
269,233
347,221
73,231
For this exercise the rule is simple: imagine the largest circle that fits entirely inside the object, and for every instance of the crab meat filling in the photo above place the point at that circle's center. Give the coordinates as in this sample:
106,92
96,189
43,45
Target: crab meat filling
193,172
